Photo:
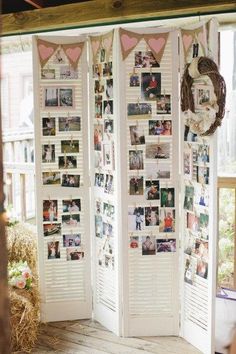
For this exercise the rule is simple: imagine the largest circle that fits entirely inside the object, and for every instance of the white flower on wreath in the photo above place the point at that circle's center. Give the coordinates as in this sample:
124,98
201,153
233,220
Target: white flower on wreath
200,122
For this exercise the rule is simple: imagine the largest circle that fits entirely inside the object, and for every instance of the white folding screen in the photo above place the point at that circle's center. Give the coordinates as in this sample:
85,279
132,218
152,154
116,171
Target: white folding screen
199,203
62,180
130,192
149,122
104,123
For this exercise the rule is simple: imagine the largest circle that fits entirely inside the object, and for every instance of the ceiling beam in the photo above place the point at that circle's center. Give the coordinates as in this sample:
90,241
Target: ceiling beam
101,12
38,4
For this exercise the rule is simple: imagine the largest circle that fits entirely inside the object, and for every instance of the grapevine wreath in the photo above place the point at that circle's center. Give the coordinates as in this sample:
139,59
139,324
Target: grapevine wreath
203,122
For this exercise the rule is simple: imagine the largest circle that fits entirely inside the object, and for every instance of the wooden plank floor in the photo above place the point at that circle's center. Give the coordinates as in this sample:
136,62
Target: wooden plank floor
87,336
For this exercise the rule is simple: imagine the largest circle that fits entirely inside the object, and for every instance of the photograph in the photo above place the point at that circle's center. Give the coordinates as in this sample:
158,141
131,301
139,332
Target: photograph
192,222
67,162
51,97
148,245
52,177
134,242
108,126
98,206
190,269
98,226
69,146
150,85
48,153
160,127
204,225
158,151
107,229
167,220
50,210
151,216
48,74
137,136
108,186
72,240
69,124
102,55
189,242
201,249
98,163
108,210
59,56
135,218
99,86
68,73
98,109
52,229
203,175
74,254
72,220
66,97
70,180
201,195
203,154
136,185
202,269
107,69
107,155
97,71
48,126
109,88
98,137
166,245
188,135
108,107
152,189
71,206
99,180
139,110
203,95
157,170
163,104
134,80
53,250
188,198
136,160
145,60
187,162
167,197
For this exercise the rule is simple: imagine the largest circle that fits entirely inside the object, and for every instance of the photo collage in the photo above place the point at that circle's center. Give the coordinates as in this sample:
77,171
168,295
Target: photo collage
61,158
152,210
104,156
196,170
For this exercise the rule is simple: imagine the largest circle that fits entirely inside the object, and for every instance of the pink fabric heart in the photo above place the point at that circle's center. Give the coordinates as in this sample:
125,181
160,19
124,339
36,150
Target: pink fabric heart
128,42
156,44
73,53
107,42
187,41
45,52
95,46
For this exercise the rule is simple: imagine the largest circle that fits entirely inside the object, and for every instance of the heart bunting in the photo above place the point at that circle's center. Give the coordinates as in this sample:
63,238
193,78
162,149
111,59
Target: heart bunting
73,52
190,36
45,50
95,45
107,41
157,43
128,41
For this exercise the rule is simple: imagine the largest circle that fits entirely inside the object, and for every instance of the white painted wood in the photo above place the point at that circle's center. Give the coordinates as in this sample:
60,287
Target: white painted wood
64,285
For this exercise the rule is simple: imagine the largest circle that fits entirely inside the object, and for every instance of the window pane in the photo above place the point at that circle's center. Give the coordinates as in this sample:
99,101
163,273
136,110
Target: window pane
226,237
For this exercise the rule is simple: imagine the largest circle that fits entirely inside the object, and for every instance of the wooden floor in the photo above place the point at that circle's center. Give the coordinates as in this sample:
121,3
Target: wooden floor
88,336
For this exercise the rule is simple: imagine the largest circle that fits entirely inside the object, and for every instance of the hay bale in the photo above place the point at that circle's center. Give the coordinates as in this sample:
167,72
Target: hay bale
22,245
24,320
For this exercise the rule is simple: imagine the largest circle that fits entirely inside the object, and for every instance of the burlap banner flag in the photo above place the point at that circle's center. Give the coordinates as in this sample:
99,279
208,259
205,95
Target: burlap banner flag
95,45
73,52
45,50
128,41
107,41
196,35
157,43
